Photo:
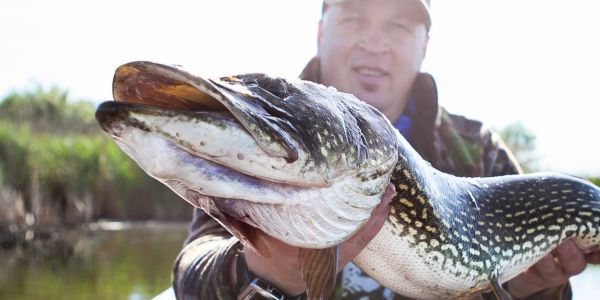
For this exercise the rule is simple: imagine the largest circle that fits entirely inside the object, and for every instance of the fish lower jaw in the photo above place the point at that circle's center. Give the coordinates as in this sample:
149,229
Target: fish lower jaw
299,216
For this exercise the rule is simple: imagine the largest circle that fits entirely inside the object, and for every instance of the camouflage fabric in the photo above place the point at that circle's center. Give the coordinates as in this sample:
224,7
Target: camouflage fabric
451,143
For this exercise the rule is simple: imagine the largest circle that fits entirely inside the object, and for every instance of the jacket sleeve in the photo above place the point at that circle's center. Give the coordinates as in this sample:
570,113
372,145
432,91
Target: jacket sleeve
498,159
465,147
202,269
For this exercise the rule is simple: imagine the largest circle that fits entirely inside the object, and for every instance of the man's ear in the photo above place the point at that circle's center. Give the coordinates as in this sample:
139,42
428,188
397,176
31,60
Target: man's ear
319,37
425,45
424,48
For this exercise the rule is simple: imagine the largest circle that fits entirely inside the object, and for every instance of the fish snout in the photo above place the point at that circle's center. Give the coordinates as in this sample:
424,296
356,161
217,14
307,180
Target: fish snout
108,113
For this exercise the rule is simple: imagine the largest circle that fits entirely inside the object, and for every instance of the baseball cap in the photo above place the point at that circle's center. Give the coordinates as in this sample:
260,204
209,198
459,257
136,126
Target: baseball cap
423,3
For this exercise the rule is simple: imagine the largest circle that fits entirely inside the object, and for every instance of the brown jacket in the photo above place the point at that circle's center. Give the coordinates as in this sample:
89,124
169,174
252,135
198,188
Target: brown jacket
451,143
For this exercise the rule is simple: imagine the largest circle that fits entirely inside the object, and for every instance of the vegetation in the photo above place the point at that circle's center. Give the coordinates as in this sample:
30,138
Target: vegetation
49,111
522,142
57,167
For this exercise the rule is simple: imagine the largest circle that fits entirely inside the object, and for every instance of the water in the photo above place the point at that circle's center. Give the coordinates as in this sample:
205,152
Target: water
132,261
115,262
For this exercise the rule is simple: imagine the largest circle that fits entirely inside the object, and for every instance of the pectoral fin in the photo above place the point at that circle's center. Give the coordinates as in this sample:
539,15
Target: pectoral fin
319,268
499,291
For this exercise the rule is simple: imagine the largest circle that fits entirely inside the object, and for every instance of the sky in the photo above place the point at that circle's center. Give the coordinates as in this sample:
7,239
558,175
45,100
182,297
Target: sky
499,61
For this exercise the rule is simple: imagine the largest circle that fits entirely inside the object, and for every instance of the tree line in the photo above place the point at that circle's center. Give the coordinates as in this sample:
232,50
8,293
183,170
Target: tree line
57,167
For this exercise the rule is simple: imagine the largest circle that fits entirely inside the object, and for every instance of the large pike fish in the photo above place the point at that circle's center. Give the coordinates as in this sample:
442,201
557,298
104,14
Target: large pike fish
307,165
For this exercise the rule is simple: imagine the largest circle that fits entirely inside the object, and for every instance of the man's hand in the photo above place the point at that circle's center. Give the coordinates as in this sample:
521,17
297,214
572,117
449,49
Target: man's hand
552,270
282,269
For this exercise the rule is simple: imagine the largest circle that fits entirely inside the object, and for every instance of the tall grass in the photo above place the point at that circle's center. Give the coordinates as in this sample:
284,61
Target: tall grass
49,111
58,167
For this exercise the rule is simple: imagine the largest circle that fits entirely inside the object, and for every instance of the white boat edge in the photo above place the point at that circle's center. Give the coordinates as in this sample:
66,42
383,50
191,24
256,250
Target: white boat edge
167,294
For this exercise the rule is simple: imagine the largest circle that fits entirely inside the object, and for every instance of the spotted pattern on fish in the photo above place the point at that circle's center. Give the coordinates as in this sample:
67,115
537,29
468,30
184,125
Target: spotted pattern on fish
488,229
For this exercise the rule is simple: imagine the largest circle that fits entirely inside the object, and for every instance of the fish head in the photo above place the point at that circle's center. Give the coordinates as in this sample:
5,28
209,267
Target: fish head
302,162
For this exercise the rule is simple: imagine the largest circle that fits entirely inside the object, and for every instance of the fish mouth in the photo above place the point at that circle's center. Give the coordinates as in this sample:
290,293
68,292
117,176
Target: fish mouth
245,204
114,115
168,89
173,88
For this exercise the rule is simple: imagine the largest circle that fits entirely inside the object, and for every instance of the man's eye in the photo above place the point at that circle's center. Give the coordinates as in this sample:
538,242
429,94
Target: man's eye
400,26
352,20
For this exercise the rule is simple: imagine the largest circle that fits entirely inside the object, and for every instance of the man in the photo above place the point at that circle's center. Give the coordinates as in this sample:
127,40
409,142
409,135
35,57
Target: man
374,50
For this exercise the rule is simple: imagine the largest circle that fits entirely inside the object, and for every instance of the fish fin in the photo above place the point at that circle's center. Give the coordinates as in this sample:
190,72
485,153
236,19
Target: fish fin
319,269
499,291
473,294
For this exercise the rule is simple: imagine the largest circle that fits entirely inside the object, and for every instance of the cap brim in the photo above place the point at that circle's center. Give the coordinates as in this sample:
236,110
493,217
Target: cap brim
424,5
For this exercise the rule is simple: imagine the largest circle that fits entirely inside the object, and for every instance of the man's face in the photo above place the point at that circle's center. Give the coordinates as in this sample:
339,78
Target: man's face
374,50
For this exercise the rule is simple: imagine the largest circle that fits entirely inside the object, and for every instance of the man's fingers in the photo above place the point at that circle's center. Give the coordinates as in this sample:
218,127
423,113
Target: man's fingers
552,270
390,193
543,274
379,216
549,272
361,239
593,258
571,258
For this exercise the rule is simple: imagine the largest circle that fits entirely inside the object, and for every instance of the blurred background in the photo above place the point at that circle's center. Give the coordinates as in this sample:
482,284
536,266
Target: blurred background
79,220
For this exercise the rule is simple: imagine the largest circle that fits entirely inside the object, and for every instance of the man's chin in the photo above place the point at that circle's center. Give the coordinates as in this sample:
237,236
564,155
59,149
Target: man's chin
375,99
371,83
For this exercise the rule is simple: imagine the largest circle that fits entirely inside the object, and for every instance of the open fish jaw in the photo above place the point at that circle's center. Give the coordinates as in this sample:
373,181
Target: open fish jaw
198,156
309,217
221,139
240,148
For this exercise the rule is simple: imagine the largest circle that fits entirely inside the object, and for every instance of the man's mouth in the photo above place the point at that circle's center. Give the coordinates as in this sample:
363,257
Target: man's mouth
370,71
370,78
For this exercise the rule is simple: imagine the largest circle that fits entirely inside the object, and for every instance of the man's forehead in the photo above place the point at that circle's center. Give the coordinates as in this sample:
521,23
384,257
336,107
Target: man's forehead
415,8
426,3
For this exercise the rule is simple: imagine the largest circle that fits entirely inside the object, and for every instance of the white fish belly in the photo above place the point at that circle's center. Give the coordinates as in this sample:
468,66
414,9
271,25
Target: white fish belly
409,270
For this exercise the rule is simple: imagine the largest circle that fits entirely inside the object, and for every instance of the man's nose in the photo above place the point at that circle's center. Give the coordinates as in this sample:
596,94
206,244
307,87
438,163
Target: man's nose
374,41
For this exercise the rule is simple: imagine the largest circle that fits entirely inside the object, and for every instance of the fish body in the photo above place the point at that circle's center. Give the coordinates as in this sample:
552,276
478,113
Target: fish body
459,235
307,164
